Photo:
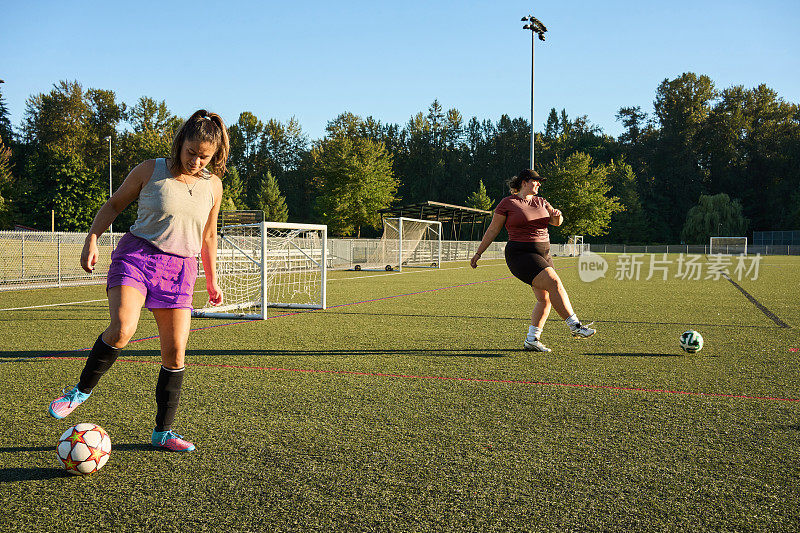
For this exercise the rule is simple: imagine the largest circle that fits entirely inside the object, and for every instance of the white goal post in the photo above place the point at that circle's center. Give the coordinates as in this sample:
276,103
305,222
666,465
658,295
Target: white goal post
574,246
406,242
727,246
282,264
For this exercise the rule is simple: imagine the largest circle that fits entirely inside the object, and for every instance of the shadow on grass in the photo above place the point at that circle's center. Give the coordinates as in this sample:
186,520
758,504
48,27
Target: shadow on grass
550,319
125,446
343,353
10,357
9,475
40,356
684,324
32,355
623,354
420,315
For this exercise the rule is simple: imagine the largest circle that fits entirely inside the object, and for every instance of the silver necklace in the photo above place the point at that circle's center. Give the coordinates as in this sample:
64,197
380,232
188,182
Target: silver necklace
192,187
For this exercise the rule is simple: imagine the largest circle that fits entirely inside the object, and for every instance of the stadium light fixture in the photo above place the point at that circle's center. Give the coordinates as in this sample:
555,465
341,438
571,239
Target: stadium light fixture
537,29
110,186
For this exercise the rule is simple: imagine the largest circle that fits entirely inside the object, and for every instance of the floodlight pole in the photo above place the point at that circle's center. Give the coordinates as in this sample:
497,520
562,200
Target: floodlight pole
537,29
110,188
533,49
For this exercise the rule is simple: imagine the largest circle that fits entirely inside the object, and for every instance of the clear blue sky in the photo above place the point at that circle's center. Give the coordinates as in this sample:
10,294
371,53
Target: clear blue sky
313,60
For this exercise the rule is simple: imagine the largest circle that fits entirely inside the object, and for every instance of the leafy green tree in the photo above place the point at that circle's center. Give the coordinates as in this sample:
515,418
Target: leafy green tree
149,115
76,192
428,156
6,182
508,147
634,121
682,107
232,190
750,146
580,190
355,180
551,129
259,147
6,131
794,210
283,144
245,138
479,199
271,201
64,136
150,137
628,226
715,215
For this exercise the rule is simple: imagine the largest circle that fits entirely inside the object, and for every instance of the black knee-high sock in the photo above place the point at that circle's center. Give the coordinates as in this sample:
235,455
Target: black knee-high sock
168,396
99,361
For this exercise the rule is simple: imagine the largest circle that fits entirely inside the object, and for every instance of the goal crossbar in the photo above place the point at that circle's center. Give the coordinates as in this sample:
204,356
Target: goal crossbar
406,242
281,263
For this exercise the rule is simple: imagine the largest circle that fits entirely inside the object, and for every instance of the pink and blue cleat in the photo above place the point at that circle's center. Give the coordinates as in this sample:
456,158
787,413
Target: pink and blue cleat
67,402
171,441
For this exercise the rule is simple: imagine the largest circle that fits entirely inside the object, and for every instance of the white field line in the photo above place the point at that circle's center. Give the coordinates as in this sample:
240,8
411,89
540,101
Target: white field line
415,271
52,305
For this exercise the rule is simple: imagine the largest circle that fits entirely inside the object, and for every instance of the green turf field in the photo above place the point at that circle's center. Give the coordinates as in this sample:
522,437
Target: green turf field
408,405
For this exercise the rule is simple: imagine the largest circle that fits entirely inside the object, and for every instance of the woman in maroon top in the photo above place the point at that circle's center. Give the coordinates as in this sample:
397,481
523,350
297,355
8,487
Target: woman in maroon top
526,216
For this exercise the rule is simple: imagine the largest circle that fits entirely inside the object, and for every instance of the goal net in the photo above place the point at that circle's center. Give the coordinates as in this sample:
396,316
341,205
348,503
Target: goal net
282,264
728,246
406,242
575,246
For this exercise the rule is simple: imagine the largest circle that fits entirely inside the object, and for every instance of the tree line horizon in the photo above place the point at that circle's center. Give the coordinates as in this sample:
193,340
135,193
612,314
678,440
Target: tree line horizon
705,162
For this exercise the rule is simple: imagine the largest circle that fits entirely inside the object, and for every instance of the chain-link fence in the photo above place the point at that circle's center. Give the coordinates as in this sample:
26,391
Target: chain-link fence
791,238
47,259
347,253
752,249
33,259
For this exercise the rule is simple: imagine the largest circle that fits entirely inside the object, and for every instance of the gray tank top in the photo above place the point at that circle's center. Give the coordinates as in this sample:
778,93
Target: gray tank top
170,216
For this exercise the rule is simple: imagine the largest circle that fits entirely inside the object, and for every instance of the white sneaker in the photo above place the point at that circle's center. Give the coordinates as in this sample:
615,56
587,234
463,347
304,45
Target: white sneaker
535,346
581,331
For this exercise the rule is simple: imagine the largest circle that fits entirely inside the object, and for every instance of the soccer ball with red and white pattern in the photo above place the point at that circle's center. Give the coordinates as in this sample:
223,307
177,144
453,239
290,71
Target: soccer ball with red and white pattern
84,448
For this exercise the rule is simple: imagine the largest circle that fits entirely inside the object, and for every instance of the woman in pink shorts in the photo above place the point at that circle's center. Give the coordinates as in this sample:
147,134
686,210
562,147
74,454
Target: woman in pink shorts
155,266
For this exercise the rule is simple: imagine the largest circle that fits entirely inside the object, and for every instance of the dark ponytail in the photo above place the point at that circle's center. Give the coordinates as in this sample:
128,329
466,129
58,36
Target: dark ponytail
515,182
202,126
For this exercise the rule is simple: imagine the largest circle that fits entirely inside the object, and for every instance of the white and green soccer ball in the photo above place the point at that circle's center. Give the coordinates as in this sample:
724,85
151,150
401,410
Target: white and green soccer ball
691,341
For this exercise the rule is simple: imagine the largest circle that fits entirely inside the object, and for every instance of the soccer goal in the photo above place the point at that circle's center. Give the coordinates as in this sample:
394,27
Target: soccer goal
282,264
728,246
574,246
406,242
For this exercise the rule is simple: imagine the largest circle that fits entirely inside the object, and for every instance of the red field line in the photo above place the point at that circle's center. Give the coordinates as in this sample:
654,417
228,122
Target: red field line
461,379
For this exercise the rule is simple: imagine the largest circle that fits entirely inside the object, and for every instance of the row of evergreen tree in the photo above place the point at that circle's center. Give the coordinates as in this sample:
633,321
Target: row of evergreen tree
730,156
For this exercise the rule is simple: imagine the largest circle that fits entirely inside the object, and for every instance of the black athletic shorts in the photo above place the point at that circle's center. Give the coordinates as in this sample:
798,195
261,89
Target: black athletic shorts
526,259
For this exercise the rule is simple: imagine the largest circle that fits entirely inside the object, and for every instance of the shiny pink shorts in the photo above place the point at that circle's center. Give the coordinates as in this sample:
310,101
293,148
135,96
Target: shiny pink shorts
166,280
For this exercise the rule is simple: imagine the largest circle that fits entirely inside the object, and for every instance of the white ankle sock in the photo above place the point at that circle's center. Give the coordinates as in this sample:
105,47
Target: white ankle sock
572,321
534,333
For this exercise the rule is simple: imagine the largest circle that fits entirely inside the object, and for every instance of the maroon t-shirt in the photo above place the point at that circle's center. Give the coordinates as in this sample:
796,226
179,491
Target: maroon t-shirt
526,221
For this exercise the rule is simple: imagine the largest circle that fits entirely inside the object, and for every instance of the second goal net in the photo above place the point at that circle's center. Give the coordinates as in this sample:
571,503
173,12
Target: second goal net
406,242
270,264
575,246
727,246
